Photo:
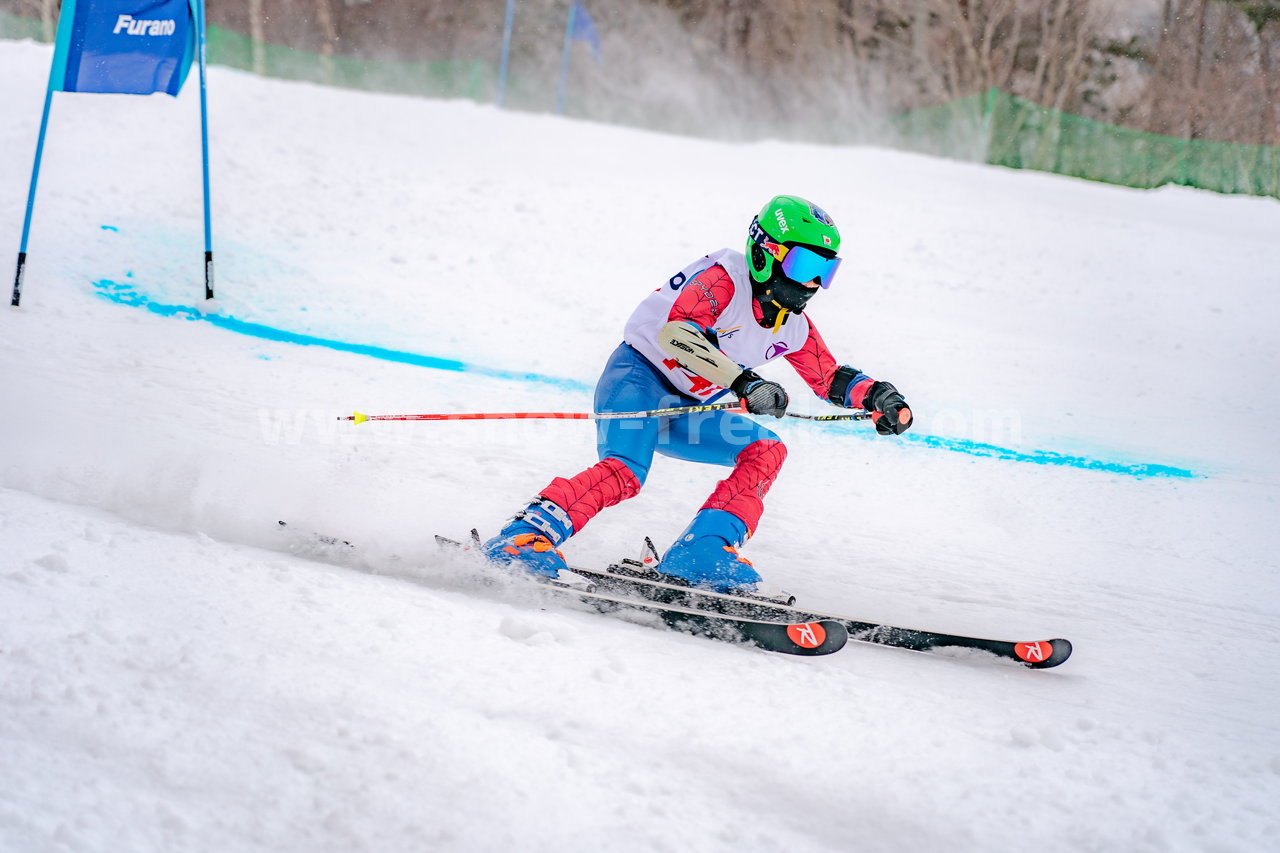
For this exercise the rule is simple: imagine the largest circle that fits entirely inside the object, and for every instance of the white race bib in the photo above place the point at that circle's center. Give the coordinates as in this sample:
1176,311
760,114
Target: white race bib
740,336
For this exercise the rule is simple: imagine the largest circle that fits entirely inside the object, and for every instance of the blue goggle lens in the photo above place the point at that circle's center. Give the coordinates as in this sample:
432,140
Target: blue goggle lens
804,265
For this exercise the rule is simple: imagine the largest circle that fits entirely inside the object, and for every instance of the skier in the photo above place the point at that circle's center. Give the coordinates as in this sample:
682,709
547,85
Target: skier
696,336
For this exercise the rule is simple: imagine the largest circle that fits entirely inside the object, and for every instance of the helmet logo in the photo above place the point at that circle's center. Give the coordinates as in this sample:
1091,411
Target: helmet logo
782,220
826,241
820,215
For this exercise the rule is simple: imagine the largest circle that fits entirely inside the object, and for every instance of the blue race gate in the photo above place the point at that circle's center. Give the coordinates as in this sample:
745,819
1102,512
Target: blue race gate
129,47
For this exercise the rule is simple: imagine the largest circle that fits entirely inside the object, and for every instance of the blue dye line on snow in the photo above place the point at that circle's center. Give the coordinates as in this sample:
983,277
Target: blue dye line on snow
127,294
1050,457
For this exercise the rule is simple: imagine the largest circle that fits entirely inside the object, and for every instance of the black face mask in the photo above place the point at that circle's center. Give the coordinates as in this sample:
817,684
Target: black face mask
790,295
779,294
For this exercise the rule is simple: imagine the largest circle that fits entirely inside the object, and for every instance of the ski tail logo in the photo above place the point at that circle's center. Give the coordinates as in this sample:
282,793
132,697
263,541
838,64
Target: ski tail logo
809,635
137,27
1033,652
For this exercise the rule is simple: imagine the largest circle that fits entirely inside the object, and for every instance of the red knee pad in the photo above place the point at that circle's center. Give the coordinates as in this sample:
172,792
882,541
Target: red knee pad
742,492
583,495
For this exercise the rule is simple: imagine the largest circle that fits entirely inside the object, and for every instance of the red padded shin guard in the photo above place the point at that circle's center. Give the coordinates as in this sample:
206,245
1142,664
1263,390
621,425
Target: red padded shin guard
583,495
742,492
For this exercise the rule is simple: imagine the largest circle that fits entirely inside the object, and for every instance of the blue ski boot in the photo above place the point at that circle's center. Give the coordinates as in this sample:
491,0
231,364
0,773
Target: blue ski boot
529,541
706,554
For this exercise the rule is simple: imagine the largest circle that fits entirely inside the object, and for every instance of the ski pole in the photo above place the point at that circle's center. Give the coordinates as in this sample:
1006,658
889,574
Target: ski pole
853,416
360,417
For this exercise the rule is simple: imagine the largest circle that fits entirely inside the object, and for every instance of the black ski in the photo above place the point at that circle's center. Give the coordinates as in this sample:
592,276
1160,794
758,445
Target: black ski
810,637
308,539
629,579
633,585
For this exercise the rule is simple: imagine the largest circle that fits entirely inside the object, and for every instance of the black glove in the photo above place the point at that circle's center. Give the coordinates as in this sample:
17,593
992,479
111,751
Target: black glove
884,399
760,396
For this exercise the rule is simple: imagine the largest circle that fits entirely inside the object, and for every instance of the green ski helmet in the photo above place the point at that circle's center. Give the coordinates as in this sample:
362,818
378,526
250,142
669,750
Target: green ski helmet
789,244
789,220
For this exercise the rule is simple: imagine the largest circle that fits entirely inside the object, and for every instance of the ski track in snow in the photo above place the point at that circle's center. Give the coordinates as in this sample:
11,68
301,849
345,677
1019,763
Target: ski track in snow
177,673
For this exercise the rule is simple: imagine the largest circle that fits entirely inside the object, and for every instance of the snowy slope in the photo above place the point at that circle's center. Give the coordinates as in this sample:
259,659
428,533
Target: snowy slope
177,674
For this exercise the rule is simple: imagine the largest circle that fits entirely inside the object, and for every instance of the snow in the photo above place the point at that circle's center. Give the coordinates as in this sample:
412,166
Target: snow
177,673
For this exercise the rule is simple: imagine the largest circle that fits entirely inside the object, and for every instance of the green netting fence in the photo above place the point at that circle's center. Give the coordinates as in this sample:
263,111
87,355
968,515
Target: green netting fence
1005,130
18,27
466,79
994,127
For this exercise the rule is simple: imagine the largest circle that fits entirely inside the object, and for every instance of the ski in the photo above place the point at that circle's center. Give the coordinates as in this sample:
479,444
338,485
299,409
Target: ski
629,578
808,638
634,584
812,637
303,538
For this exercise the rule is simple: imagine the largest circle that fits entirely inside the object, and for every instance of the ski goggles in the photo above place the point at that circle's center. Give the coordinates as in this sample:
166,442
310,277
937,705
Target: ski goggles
803,265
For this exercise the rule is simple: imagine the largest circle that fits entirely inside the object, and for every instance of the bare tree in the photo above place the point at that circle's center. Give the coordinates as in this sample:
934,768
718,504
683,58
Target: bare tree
1192,102
258,35
822,69
328,26
45,10
1211,72
48,17
1264,17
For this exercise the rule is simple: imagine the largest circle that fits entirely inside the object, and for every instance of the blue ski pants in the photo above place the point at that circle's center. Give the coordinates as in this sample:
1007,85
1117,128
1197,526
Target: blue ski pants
630,383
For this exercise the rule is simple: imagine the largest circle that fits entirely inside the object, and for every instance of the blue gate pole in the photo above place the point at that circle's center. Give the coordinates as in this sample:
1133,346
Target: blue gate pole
31,199
204,152
506,52
564,63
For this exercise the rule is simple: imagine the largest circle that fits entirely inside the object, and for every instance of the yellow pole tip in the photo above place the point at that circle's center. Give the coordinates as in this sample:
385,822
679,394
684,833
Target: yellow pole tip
359,417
